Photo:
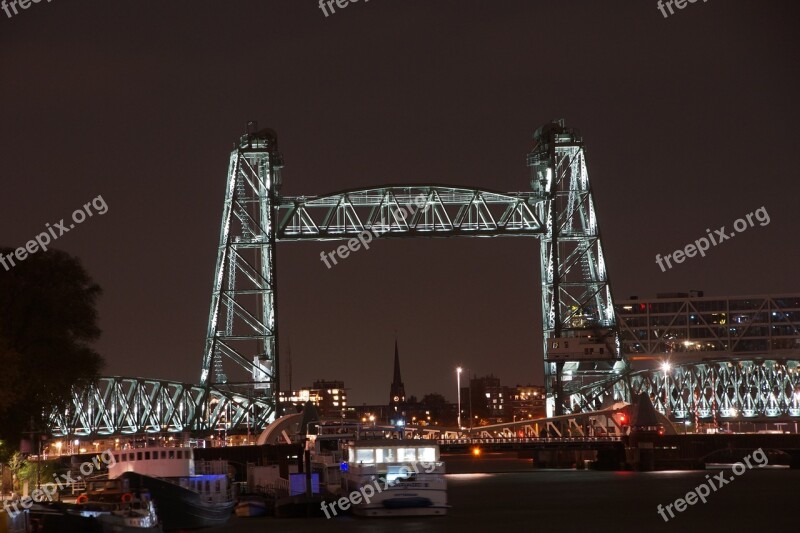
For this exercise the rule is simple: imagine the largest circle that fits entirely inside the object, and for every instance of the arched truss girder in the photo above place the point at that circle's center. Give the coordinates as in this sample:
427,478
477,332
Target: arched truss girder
409,211
128,406
726,389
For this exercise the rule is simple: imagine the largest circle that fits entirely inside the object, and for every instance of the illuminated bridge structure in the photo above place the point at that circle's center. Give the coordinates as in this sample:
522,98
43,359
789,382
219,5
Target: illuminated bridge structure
577,306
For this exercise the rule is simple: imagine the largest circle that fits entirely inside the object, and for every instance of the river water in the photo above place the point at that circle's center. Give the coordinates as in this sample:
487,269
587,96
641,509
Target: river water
583,501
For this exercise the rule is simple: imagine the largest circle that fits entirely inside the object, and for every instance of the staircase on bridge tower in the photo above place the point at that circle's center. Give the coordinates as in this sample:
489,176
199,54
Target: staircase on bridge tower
242,324
583,361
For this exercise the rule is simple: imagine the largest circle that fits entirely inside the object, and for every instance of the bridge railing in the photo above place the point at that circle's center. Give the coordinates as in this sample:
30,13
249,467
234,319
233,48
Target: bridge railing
523,440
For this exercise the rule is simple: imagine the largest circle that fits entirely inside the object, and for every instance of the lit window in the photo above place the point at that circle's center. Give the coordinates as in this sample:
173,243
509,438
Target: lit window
426,454
407,454
365,455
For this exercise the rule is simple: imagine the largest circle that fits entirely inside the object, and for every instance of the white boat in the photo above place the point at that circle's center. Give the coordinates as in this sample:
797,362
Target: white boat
407,477
187,494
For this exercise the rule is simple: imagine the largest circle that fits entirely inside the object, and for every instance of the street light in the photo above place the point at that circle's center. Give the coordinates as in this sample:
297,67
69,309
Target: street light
665,366
458,384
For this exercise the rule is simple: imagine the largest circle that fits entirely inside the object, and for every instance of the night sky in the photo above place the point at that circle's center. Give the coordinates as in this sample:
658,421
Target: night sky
690,122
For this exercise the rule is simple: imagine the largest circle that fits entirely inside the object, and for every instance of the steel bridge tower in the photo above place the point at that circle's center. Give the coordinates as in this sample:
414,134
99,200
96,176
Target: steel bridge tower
577,306
242,322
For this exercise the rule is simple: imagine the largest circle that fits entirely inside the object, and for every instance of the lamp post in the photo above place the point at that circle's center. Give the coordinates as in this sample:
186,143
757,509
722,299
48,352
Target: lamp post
666,368
458,384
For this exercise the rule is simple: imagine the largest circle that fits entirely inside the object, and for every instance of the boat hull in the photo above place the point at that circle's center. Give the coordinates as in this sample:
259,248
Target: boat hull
180,508
251,509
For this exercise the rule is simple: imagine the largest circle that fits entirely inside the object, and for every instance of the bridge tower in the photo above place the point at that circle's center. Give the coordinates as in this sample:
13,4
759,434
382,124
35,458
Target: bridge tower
242,322
581,338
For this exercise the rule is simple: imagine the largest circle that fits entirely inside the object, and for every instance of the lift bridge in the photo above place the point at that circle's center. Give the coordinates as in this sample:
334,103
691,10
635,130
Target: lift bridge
584,366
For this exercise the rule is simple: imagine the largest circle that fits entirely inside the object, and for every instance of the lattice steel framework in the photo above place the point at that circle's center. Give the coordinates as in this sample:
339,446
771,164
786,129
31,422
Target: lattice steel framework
725,389
576,296
576,293
242,322
129,406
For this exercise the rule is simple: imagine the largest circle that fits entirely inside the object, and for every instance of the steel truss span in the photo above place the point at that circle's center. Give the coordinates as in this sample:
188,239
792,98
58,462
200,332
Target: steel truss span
727,389
129,406
409,211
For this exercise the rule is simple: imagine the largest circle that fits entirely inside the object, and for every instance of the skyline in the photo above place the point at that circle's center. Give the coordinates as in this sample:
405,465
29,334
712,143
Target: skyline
685,129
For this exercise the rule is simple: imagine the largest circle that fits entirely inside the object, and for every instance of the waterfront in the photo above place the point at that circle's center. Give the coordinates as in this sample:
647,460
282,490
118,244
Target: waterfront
569,500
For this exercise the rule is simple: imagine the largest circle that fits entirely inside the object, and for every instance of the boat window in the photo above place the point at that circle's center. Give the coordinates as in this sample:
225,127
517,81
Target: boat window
116,458
217,486
138,456
407,454
180,454
146,456
426,454
163,454
365,455
389,455
208,486
172,454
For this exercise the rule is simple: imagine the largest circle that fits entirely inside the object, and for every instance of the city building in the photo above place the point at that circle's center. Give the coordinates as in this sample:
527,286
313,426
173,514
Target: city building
525,402
330,397
689,327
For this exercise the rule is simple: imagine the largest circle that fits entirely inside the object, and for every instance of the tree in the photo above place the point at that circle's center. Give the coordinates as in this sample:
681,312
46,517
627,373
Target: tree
47,322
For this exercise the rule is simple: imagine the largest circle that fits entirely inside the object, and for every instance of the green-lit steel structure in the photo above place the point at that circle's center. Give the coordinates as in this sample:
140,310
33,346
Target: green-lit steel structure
584,366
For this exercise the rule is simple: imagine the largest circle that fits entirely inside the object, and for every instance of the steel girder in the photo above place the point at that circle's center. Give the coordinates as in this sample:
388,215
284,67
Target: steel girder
129,406
409,211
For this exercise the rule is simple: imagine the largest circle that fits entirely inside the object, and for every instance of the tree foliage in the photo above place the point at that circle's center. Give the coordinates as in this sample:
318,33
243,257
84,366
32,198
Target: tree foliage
47,322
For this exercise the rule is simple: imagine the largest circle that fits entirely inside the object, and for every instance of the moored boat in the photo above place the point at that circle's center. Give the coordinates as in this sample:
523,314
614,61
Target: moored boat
406,477
184,499
252,505
117,508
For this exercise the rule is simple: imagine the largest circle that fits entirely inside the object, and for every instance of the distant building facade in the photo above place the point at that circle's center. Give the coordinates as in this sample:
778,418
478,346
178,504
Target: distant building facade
688,327
486,401
330,397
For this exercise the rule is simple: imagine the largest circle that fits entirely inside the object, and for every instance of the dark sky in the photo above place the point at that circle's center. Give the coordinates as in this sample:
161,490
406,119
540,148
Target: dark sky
690,122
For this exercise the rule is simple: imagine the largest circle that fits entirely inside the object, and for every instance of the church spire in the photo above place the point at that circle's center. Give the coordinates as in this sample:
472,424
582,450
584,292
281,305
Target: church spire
397,379
397,392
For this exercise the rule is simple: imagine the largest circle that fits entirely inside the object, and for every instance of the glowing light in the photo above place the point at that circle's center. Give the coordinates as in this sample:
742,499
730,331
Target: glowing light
666,367
476,451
